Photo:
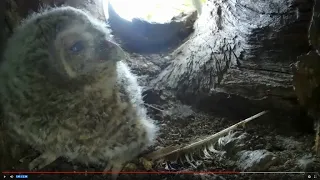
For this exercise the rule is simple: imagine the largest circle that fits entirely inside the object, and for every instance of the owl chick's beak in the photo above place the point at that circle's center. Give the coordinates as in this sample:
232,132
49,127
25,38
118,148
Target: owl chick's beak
111,51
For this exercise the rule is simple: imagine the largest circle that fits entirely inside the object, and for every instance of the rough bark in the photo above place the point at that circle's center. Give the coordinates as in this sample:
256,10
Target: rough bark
306,79
314,30
240,53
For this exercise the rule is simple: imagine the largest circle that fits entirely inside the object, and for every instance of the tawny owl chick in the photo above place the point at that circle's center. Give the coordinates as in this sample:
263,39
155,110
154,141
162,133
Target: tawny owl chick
65,91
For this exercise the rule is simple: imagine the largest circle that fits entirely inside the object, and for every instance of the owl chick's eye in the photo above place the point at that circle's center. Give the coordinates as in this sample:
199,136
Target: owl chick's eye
77,47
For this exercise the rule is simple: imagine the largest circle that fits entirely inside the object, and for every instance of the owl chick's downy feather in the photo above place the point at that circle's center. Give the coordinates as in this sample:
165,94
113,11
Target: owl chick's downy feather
66,92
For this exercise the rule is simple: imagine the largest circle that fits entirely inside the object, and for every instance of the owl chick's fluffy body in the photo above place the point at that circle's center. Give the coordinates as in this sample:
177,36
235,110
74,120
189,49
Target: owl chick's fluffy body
66,92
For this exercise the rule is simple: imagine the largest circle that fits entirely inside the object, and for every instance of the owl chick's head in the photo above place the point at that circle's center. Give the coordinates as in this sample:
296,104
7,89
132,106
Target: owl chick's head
69,44
83,46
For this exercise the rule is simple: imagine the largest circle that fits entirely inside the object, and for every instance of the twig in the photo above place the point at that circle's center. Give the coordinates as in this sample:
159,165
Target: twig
149,105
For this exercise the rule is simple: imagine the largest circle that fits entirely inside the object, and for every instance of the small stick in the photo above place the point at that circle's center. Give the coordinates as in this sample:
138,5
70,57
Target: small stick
175,151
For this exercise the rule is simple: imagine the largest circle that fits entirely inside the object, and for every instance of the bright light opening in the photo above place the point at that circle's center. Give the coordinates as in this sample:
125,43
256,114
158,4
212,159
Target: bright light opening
159,11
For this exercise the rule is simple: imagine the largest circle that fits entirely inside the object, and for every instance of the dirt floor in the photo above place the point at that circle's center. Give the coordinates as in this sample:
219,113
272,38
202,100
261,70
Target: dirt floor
180,124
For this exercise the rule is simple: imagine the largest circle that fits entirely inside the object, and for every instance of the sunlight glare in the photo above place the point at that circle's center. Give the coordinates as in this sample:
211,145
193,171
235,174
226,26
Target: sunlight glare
151,10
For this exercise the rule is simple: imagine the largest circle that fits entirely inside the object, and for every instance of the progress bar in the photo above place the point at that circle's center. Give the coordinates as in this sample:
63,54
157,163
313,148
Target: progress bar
26,175
162,172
